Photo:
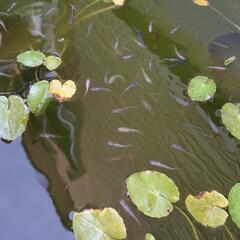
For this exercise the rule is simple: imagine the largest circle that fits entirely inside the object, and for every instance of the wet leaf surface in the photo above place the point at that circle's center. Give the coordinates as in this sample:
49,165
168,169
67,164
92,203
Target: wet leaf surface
31,58
39,97
13,117
206,208
201,88
152,192
99,224
52,63
234,204
149,236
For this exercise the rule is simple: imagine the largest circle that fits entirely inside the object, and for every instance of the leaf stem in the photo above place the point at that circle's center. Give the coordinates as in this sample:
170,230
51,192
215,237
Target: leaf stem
85,8
189,221
229,233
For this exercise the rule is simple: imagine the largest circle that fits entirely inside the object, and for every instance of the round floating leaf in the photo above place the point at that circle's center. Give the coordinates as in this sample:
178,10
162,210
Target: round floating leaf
99,224
234,204
52,63
62,92
149,236
152,192
39,98
206,208
201,88
230,114
13,117
31,58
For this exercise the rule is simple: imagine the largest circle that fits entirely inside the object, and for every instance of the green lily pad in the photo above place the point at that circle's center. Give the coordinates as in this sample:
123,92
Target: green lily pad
13,117
234,204
230,114
201,88
206,208
149,236
152,192
31,58
39,98
52,63
99,224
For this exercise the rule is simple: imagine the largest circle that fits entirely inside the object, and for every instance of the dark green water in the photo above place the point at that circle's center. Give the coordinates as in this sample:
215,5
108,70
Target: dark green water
43,178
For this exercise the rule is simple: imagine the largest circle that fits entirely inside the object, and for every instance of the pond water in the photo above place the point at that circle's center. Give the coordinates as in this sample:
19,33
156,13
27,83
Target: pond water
75,156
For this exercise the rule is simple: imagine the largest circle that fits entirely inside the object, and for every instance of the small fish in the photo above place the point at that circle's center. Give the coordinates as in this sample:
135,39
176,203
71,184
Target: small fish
181,57
118,145
48,135
229,60
160,165
213,125
124,109
13,5
60,40
179,148
171,59
100,89
139,34
180,101
0,39
150,27
87,85
139,43
128,130
220,44
127,57
116,44
3,25
125,206
89,29
147,106
146,77
217,68
150,64
121,157
73,11
6,75
130,86
114,78
174,30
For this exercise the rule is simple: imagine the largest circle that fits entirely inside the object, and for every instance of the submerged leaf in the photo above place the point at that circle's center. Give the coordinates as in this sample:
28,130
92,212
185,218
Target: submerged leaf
203,3
152,192
31,58
13,117
62,92
52,62
201,88
149,236
206,208
230,114
39,97
99,224
234,204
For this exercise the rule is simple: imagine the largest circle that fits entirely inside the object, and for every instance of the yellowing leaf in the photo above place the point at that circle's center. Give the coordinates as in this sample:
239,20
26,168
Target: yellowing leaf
203,3
119,2
62,92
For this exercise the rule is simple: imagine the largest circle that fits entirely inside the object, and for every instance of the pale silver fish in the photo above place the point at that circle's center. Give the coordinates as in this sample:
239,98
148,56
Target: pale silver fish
48,135
150,64
179,55
123,109
116,44
179,148
160,165
174,30
130,86
118,145
217,68
146,77
139,43
113,78
89,29
3,25
6,75
180,101
125,206
128,130
127,57
12,6
0,39
100,89
87,86
147,106
150,27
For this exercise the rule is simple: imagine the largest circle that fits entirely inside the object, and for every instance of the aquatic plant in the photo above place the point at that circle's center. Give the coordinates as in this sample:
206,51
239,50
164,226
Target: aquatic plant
99,224
149,236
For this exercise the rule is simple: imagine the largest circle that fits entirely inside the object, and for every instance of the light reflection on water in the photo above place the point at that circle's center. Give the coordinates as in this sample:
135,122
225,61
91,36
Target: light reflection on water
82,167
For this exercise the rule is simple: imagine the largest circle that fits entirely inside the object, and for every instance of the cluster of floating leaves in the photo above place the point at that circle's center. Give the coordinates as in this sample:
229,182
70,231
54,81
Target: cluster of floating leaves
14,110
154,194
